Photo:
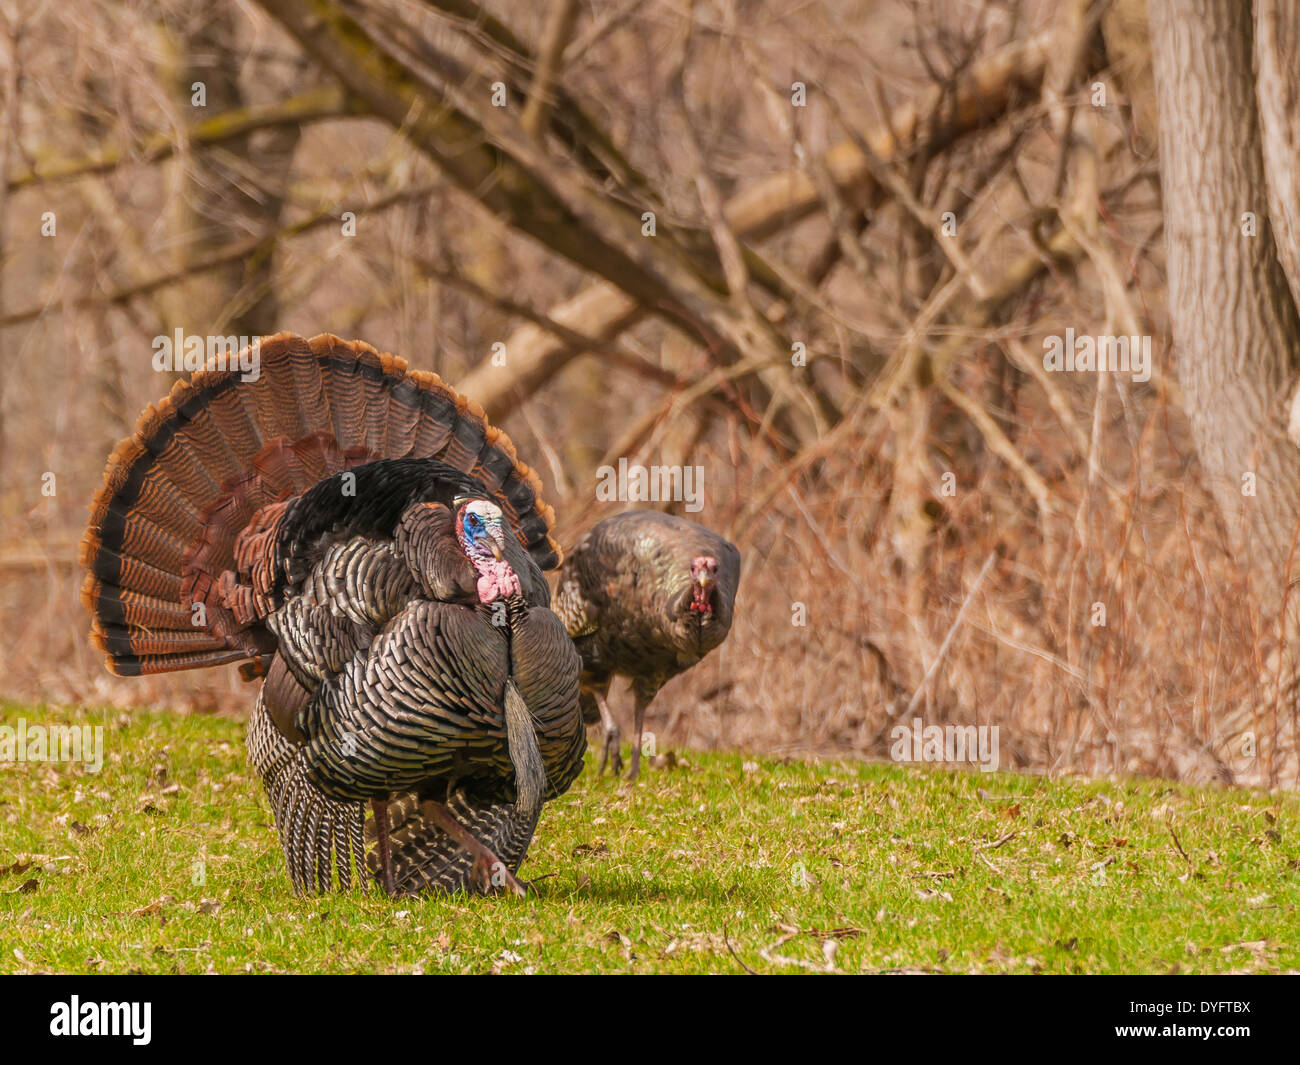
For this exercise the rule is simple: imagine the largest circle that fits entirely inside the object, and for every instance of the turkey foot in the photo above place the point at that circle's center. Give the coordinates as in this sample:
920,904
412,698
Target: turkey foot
385,875
489,871
609,752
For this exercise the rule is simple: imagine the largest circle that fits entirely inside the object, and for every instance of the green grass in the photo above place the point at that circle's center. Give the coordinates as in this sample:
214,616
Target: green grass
166,861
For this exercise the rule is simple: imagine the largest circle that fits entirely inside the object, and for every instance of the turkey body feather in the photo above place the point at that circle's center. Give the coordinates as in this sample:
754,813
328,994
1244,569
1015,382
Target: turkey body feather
364,539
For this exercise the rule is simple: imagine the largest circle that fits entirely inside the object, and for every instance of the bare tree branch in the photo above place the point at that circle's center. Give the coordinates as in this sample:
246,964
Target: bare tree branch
559,28
770,205
328,102
484,151
239,252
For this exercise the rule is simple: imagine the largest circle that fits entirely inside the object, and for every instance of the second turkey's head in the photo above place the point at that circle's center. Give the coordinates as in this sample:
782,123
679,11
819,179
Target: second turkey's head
700,612
704,582
481,530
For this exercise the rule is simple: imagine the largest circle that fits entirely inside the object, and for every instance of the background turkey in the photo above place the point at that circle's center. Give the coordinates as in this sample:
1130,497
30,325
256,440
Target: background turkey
362,538
644,595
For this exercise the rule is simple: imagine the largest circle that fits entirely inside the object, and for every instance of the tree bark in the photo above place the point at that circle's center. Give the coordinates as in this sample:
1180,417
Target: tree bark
1277,60
1234,323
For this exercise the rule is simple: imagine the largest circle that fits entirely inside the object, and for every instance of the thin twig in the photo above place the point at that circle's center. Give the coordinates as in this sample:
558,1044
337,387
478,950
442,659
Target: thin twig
952,632
726,938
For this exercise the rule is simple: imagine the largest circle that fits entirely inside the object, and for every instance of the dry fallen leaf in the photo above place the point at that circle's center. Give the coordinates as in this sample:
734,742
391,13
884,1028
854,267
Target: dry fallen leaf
153,907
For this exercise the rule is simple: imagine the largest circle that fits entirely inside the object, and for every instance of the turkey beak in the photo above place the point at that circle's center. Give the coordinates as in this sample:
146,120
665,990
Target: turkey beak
496,552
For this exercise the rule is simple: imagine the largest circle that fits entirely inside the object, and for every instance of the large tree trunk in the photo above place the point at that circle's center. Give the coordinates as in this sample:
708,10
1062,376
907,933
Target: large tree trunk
1235,326
1277,60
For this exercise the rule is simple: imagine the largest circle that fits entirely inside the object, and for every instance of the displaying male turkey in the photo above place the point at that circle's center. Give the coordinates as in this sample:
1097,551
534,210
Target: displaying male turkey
644,595
362,538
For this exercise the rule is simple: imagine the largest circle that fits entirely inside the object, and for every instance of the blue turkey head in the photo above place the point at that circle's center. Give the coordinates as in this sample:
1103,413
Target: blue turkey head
481,530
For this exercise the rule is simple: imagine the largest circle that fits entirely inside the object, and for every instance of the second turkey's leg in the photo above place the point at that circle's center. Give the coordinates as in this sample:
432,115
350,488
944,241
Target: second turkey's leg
609,752
489,871
642,701
380,808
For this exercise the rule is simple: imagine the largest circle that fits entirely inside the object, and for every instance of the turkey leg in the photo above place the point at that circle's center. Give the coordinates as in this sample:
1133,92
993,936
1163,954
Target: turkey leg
486,864
380,808
609,752
642,701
